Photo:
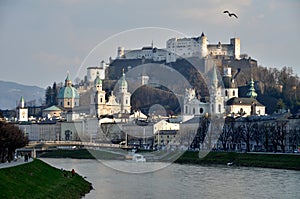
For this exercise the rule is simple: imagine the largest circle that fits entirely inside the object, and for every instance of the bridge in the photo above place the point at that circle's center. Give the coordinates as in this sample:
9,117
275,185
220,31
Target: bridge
47,144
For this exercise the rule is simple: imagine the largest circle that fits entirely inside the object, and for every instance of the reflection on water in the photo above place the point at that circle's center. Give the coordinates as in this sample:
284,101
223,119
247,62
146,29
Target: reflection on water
185,181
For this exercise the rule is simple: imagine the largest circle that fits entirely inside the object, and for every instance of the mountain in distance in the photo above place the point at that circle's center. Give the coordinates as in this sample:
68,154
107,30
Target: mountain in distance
11,92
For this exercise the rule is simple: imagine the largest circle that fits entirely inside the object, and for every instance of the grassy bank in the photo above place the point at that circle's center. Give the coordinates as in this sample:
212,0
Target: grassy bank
76,154
278,161
81,154
40,180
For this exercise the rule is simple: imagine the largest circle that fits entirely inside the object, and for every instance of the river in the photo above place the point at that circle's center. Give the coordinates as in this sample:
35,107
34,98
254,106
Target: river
184,181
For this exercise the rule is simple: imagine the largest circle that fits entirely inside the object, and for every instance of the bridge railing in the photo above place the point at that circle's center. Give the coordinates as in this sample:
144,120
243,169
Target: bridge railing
70,143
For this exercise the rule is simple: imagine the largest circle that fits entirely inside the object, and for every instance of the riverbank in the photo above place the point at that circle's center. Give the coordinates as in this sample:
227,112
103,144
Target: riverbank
40,180
81,154
271,160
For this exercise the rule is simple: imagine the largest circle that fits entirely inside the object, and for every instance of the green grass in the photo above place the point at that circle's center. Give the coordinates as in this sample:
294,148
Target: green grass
278,161
65,153
40,180
81,154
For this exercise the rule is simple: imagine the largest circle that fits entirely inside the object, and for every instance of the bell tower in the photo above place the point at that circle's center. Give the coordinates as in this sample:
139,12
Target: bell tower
22,111
123,95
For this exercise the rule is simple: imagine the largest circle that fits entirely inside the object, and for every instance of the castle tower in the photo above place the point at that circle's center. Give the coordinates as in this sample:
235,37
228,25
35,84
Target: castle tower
97,98
22,111
230,88
216,98
236,43
203,46
123,95
120,52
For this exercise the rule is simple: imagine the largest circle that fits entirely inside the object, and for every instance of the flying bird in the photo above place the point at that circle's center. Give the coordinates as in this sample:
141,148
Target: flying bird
230,14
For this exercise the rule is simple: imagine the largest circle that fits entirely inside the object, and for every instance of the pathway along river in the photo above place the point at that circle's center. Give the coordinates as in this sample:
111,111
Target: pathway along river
185,181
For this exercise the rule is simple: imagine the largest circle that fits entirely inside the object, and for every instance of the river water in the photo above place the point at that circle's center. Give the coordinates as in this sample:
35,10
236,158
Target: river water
185,181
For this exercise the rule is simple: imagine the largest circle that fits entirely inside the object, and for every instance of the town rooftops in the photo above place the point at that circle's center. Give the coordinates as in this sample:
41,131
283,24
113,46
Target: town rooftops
243,101
53,108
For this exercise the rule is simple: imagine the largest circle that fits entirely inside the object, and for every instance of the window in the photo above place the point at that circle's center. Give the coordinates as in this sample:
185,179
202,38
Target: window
219,108
201,110
226,93
68,103
193,110
233,93
186,109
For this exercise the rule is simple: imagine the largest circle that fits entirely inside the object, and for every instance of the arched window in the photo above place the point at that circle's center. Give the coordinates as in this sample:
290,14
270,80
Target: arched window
201,110
219,108
226,93
193,110
233,93
186,109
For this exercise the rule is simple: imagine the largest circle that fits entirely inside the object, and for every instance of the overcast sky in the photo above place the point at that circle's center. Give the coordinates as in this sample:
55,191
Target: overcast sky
41,40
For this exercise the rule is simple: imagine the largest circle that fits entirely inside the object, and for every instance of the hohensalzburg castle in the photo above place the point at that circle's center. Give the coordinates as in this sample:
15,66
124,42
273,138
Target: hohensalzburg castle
184,48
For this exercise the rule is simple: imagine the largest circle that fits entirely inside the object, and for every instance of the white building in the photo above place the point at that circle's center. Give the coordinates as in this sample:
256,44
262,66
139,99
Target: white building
22,111
94,70
183,48
237,106
115,104
193,106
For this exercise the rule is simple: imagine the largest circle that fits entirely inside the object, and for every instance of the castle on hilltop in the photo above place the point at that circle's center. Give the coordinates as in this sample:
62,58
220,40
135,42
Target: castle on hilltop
183,48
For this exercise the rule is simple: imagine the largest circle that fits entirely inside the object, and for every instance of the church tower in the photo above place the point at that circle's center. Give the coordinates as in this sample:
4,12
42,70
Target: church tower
230,88
22,111
203,46
123,96
216,98
97,98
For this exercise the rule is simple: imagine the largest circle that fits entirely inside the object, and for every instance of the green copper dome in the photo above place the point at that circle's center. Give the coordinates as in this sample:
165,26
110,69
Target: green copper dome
67,93
97,80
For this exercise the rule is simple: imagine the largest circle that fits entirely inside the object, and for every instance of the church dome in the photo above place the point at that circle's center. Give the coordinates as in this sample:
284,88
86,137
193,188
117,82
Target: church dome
68,92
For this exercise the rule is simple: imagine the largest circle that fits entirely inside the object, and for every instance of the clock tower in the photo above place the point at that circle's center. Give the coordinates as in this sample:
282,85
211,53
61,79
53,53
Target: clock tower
22,111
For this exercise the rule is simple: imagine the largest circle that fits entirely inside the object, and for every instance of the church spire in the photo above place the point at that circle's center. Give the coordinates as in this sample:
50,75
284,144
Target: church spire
251,92
214,78
123,83
68,81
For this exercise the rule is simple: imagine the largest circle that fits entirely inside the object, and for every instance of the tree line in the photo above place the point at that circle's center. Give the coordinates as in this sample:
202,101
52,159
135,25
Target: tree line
249,134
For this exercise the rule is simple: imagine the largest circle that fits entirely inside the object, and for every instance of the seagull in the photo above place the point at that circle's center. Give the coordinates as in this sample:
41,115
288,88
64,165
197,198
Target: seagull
230,14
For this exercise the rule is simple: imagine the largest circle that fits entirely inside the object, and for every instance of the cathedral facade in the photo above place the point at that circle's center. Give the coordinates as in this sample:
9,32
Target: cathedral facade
115,104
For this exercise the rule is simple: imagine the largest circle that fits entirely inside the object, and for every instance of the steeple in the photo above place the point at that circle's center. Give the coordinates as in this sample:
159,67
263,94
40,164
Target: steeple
22,102
98,82
251,92
68,81
214,78
123,84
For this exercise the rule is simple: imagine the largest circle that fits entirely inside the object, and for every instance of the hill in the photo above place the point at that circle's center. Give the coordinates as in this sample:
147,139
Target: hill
11,93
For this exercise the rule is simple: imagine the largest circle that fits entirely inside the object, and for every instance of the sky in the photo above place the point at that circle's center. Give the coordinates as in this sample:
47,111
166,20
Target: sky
41,41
